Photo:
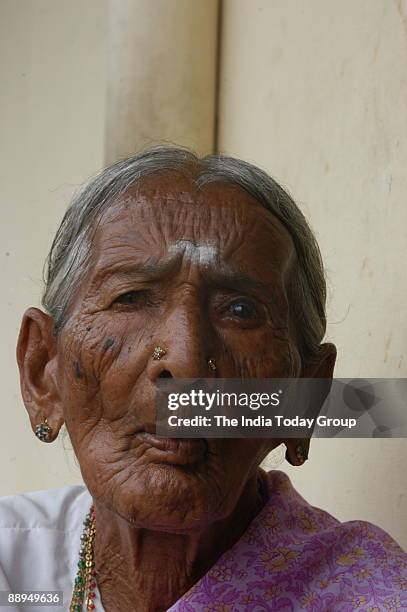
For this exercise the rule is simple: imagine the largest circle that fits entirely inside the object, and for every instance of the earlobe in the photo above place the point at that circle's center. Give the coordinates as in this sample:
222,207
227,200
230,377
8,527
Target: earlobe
37,361
297,450
321,366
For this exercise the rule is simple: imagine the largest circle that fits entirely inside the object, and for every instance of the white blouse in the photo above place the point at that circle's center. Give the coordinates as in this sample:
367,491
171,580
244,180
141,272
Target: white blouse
39,544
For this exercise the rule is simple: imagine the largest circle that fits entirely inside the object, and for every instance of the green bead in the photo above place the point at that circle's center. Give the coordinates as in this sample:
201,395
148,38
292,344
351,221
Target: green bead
81,564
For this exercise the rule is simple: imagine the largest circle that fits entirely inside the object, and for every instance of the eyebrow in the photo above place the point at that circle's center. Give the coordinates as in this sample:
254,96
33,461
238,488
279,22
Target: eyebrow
151,269
227,276
154,269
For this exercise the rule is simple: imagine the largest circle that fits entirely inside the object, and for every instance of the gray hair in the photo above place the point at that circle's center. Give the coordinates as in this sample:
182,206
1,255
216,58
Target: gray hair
67,260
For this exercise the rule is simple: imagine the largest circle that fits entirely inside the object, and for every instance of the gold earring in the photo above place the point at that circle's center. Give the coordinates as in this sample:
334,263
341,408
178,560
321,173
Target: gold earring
158,353
212,364
301,453
43,431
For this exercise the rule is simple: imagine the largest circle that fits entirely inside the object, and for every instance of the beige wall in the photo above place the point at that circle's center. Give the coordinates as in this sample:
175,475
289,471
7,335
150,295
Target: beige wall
52,124
312,91
315,92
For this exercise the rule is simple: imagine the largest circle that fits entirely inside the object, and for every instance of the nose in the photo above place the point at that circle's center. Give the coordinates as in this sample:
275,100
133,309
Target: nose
187,338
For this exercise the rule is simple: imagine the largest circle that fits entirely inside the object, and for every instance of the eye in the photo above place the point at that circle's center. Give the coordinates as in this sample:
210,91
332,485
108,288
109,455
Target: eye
131,298
243,309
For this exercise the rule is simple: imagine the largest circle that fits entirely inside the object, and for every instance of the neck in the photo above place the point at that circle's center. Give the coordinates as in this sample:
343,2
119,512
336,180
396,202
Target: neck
156,568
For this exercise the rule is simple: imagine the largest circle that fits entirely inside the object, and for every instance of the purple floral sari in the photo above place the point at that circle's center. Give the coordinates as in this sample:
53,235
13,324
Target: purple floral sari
294,556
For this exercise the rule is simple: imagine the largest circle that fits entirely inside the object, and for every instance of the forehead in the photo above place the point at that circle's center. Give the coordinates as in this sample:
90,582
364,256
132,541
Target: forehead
152,218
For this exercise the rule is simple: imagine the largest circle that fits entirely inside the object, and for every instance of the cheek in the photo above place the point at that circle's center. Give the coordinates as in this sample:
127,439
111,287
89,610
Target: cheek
102,360
263,354
268,351
103,346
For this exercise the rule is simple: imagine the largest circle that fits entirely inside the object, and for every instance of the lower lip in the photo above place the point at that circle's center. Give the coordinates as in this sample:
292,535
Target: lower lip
178,451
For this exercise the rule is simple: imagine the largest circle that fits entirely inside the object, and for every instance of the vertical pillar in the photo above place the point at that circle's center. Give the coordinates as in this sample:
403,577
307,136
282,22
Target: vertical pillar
162,61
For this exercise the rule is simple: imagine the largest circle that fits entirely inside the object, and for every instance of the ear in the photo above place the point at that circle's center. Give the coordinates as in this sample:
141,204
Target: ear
37,362
322,364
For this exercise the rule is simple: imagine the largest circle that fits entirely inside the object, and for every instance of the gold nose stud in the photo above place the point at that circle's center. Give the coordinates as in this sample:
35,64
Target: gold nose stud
212,364
158,353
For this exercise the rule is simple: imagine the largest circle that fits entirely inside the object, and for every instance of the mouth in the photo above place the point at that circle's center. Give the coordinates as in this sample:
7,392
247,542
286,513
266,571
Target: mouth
175,451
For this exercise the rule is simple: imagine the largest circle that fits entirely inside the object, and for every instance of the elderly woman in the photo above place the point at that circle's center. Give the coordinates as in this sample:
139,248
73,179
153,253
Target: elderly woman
170,266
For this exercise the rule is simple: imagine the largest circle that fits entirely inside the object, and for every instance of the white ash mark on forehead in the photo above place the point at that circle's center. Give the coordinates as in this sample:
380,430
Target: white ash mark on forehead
199,254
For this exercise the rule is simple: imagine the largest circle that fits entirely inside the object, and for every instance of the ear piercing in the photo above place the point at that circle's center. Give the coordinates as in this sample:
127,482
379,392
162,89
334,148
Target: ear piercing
158,353
43,431
301,454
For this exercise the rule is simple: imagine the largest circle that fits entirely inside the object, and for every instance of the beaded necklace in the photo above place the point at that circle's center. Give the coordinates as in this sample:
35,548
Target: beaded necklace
85,583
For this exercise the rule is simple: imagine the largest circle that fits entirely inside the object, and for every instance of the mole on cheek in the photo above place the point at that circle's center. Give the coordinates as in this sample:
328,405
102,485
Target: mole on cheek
109,342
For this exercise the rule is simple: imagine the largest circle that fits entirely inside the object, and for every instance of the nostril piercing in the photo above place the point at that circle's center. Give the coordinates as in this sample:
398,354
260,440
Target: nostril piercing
212,364
158,353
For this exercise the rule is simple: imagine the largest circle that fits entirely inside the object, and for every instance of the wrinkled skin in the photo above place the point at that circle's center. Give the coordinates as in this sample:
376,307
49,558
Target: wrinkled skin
203,273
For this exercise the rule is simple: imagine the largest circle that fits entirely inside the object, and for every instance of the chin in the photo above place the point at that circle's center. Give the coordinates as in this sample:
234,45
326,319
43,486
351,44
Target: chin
166,497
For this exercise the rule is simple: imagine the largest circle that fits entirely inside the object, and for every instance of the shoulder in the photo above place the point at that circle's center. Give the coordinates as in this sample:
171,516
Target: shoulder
296,514
361,543
61,509
356,563
351,563
303,558
40,538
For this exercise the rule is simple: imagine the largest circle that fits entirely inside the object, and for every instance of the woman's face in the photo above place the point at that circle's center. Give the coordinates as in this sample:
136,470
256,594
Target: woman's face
203,274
